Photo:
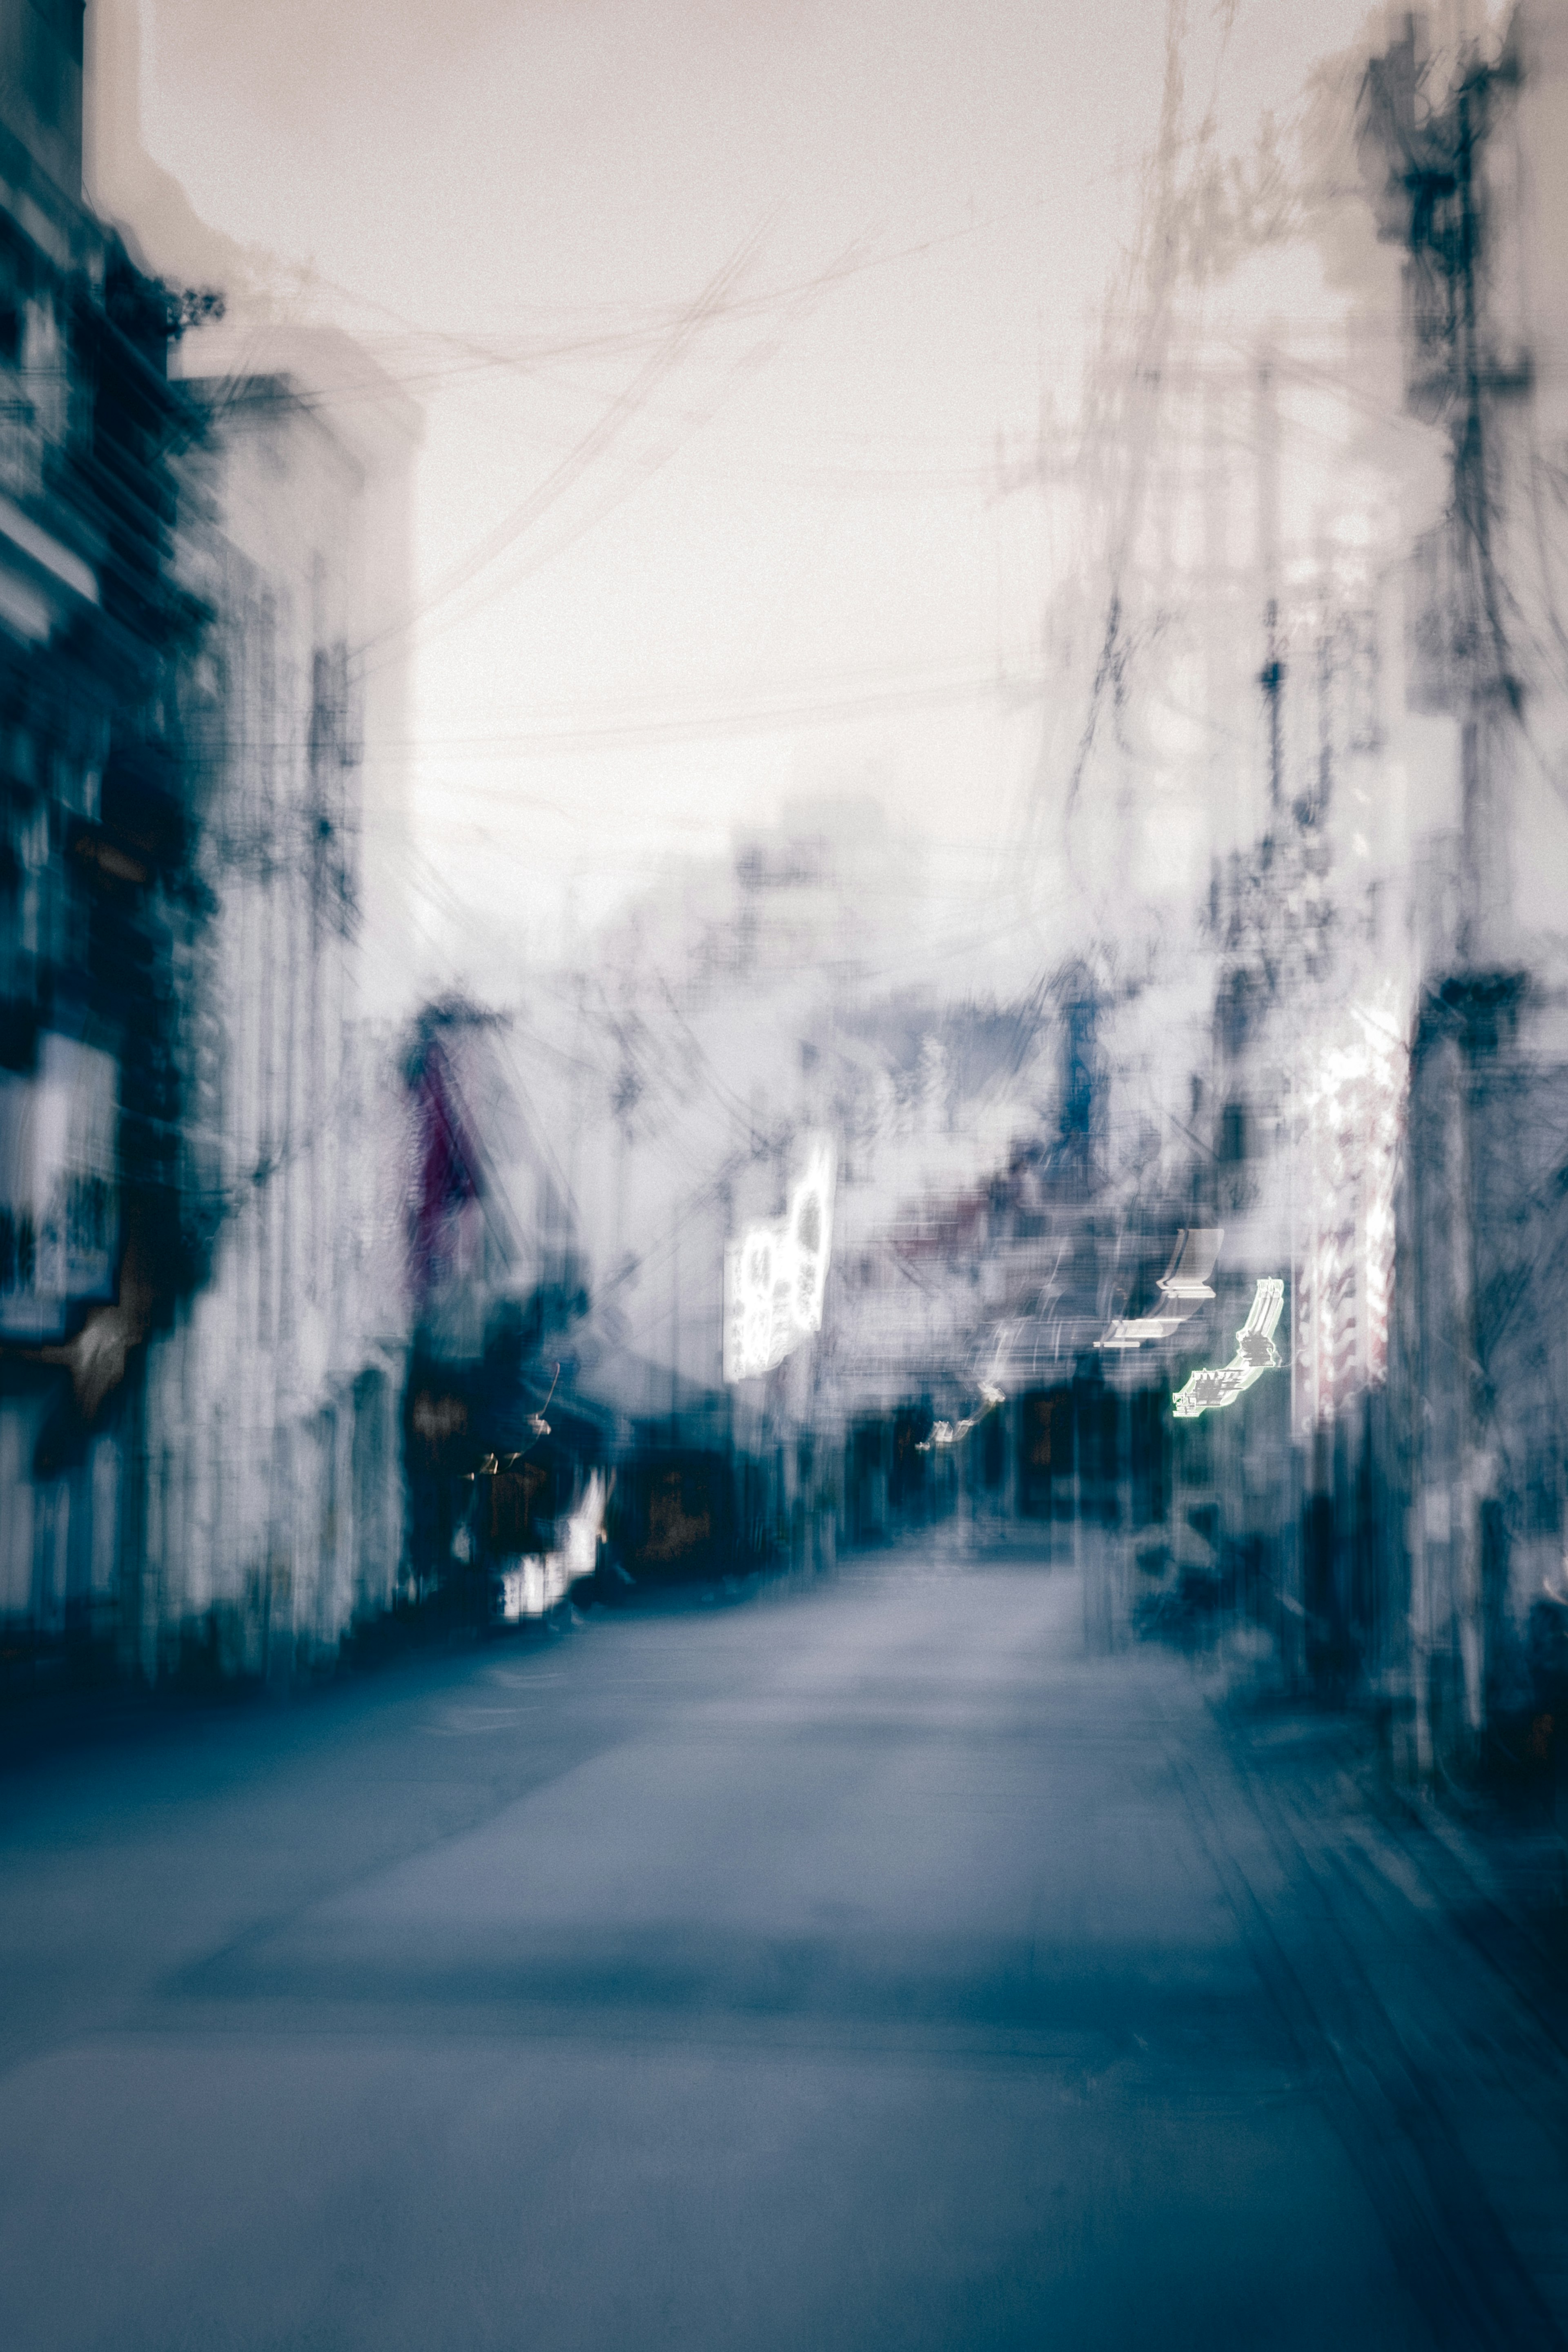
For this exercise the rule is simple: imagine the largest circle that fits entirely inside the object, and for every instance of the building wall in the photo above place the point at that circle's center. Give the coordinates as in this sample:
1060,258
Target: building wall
275,1484
95,911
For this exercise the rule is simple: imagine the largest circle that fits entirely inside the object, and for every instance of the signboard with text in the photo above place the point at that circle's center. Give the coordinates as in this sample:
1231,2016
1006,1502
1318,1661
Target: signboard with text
775,1276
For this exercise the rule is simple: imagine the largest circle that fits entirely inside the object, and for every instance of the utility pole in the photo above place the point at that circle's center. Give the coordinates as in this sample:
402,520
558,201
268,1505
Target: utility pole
1272,677
1423,163
1423,158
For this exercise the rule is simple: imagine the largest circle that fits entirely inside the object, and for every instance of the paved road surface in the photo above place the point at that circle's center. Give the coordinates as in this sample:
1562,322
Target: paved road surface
855,1968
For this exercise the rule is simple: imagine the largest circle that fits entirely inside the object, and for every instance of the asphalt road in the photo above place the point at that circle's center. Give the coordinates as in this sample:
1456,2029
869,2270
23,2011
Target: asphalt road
867,1966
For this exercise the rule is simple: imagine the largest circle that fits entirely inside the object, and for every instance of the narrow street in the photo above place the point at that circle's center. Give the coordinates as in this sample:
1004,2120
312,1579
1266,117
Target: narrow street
865,1966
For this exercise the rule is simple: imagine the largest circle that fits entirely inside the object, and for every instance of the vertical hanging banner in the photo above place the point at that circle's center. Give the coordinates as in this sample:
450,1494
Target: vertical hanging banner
1352,1119
775,1276
447,1182
808,1231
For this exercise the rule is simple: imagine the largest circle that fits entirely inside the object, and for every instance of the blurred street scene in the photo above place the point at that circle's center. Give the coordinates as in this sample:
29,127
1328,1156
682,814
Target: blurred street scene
858,1492
776,1219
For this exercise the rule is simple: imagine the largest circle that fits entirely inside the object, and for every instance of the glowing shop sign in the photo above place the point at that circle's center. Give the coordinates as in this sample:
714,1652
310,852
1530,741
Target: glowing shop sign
949,1433
1352,1115
1211,1390
1184,1286
776,1273
532,1586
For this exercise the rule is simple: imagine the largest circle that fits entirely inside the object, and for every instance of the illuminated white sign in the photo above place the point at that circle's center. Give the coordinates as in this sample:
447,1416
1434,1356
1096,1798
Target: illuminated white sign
775,1276
1184,1286
949,1433
1219,1385
1352,1114
532,1586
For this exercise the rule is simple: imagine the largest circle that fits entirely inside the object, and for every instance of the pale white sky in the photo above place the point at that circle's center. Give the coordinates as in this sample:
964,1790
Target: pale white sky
705,528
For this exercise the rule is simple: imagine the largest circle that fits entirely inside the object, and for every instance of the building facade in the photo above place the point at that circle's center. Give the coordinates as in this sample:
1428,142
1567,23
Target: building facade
103,1226
274,1487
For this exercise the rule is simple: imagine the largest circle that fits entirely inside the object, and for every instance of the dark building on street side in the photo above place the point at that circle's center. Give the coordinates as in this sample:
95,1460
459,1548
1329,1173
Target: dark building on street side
101,1215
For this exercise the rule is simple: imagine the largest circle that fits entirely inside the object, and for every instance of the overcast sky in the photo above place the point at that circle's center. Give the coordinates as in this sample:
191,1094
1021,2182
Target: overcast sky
899,217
